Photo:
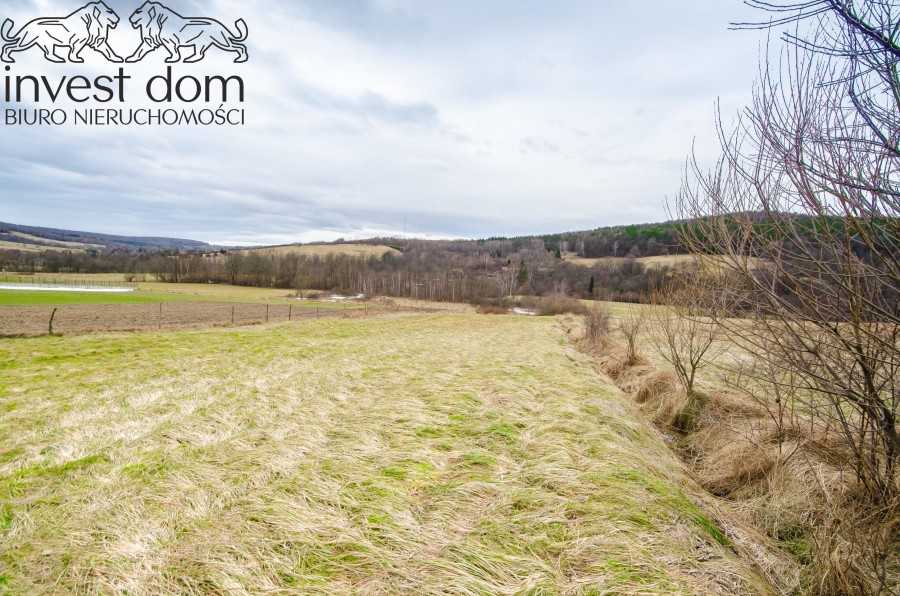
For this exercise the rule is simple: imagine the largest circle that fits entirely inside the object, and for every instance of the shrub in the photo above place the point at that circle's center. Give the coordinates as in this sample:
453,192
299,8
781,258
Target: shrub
559,304
598,324
489,306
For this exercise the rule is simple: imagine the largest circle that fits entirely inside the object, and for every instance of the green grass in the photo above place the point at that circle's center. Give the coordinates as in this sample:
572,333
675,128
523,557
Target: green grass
427,455
164,293
48,298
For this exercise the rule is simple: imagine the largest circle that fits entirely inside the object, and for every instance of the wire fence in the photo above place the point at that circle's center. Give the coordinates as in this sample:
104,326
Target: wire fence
85,284
28,321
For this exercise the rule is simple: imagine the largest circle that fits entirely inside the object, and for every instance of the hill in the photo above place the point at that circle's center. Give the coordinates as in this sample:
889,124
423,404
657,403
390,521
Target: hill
39,239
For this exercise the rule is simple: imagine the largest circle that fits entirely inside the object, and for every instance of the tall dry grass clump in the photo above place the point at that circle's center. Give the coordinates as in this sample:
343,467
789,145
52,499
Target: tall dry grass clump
662,397
560,304
597,325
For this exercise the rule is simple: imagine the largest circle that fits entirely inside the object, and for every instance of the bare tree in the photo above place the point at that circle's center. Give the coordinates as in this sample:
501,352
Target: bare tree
630,326
234,266
685,337
804,207
507,282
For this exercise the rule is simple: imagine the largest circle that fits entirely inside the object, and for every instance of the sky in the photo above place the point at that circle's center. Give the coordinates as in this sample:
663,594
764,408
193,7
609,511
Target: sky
440,118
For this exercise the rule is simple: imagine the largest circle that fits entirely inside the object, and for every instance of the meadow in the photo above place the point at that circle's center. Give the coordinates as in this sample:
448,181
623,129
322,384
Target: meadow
33,248
154,292
321,250
427,454
29,313
45,298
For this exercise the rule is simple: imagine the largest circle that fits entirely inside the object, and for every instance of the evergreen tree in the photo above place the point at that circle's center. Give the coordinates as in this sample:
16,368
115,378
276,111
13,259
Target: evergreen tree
522,276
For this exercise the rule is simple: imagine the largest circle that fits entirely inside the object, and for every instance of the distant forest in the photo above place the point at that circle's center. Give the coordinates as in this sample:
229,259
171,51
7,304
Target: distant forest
608,265
53,236
461,270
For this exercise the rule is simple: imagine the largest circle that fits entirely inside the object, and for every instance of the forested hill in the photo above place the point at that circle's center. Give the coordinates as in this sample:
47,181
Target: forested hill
35,237
640,240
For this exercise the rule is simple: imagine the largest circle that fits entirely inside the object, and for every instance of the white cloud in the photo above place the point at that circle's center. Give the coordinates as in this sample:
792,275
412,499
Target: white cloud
469,118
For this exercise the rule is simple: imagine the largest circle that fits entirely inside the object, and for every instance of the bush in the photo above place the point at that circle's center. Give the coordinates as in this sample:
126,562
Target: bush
559,304
488,309
598,324
489,306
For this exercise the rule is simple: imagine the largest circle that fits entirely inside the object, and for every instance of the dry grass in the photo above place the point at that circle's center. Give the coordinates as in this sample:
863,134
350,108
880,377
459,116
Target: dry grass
424,304
322,250
216,291
428,455
706,261
783,474
61,243
668,260
75,278
598,325
29,247
663,398
727,440
491,309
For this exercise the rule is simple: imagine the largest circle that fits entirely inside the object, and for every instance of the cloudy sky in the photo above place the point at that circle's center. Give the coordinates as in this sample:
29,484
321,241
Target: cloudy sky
463,118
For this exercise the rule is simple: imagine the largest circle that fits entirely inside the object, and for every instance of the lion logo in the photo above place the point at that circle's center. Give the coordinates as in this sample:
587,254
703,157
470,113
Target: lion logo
86,27
163,27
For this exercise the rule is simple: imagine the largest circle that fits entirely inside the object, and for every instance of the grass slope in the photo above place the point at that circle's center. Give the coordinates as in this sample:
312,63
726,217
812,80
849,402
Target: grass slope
31,247
61,243
322,250
659,261
430,454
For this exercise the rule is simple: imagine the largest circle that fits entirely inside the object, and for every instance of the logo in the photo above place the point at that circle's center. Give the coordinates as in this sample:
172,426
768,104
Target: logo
163,27
159,26
169,98
86,27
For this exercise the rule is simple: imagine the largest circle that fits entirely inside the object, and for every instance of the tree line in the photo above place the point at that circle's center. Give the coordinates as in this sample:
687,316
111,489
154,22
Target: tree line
456,271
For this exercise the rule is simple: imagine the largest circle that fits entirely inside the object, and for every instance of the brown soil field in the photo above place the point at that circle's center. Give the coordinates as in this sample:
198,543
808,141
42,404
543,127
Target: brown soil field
18,321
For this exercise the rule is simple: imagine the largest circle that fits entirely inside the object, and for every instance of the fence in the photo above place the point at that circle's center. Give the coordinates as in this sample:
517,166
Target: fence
19,321
100,284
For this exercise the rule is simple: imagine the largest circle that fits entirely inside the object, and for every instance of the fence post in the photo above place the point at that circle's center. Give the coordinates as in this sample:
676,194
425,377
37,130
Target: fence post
290,311
160,315
53,314
267,313
317,312
232,314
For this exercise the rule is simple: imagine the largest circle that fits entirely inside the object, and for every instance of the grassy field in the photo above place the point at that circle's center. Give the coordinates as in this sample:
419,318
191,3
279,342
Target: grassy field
426,455
654,262
29,247
48,298
217,292
670,260
155,292
162,292
60,243
322,250
72,277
